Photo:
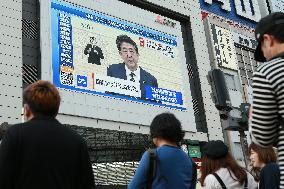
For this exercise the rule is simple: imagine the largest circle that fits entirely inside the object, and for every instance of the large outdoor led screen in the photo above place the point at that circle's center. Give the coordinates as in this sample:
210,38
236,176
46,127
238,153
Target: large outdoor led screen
101,54
130,65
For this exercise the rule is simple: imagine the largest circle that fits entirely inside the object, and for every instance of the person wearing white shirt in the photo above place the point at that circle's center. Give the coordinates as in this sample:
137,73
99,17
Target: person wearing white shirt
133,76
219,170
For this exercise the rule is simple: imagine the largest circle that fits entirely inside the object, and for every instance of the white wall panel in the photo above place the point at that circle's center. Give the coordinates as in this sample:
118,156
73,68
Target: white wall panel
15,4
277,5
10,61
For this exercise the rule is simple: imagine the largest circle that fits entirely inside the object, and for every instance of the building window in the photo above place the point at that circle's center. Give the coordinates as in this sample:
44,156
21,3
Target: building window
246,63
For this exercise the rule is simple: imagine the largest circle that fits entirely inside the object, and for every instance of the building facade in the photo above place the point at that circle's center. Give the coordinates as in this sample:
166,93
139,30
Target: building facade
179,42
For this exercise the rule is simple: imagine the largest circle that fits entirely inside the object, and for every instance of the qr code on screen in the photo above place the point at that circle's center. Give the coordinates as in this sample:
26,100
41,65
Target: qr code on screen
66,78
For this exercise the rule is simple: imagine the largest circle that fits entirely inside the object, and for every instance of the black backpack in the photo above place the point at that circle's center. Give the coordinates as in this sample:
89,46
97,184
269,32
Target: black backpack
152,165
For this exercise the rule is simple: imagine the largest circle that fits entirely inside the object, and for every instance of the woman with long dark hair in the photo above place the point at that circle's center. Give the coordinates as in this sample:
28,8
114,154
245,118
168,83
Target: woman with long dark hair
219,170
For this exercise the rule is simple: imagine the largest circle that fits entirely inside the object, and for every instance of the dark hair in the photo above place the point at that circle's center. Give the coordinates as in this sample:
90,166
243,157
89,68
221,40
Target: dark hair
210,166
168,127
43,98
265,155
124,38
277,32
3,129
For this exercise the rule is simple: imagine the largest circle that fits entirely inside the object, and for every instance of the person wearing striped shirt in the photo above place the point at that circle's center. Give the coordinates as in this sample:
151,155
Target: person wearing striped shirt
266,125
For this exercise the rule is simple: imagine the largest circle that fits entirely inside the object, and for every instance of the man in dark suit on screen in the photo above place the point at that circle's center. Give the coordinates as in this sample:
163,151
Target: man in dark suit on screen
129,69
95,53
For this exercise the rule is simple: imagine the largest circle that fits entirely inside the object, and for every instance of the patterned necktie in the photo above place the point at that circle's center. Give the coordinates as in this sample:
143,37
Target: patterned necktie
132,76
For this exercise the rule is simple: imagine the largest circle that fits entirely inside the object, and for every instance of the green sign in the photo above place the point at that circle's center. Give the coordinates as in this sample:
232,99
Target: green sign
194,151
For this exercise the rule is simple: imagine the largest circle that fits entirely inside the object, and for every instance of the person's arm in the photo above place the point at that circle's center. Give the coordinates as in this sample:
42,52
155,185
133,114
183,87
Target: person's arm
140,178
8,159
264,124
85,172
87,49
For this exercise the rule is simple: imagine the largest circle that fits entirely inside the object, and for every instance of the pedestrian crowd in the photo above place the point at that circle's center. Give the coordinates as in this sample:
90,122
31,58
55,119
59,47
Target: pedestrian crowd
41,153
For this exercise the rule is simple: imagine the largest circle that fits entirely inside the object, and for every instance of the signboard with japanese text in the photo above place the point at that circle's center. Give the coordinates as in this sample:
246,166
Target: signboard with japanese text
244,12
244,40
224,49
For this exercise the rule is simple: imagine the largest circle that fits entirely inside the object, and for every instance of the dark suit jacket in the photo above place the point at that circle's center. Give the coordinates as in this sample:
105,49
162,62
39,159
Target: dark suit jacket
118,71
94,57
43,154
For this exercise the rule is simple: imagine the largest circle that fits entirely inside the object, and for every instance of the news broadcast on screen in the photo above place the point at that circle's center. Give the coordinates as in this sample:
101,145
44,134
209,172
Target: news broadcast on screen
100,54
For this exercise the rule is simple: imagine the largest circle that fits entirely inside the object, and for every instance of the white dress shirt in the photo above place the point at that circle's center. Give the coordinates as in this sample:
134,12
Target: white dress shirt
136,77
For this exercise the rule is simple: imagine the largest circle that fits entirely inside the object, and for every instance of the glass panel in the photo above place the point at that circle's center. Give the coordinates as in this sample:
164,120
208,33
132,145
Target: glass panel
254,63
239,57
248,67
230,81
242,72
250,82
251,54
241,64
246,59
245,53
238,50
244,80
249,74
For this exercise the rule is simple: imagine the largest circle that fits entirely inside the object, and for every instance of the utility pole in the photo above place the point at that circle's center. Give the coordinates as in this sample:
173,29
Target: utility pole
245,107
221,98
244,145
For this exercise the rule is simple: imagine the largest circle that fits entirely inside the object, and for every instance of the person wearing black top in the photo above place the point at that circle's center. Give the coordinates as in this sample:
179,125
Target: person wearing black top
42,153
267,115
265,159
95,53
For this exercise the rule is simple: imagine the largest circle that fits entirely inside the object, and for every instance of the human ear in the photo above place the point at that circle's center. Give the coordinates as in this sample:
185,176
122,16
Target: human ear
268,40
27,112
